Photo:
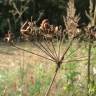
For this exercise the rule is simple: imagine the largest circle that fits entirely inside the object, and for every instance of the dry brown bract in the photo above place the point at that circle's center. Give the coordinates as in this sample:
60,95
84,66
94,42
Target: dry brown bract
47,28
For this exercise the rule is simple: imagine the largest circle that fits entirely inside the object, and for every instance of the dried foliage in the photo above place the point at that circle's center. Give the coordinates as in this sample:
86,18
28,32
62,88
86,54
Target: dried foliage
71,20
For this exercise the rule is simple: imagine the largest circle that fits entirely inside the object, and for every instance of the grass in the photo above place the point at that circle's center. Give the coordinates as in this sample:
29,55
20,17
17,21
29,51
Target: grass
24,74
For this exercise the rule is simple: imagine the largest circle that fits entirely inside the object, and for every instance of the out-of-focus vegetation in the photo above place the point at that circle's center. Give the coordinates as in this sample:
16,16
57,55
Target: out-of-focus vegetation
23,74
16,12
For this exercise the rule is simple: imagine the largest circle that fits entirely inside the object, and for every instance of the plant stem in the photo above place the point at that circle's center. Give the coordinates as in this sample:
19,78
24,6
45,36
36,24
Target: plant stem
47,93
89,65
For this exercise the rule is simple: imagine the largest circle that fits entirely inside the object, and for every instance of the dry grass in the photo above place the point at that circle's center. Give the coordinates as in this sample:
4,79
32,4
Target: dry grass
38,71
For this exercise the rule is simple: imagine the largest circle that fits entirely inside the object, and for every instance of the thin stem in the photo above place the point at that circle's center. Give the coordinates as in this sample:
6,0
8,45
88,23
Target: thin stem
84,59
54,49
61,41
80,58
47,50
73,52
52,52
43,49
66,50
32,53
47,93
89,65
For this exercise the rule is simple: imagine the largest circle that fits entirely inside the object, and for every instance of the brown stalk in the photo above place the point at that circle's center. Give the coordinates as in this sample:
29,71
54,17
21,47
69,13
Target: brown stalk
43,49
53,79
32,52
89,66
52,52
58,63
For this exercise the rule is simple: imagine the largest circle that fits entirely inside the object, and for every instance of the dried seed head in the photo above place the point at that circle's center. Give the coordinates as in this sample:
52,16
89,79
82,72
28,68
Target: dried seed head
71,21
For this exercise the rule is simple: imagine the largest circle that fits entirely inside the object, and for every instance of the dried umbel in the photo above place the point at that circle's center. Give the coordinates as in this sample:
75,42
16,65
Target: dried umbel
25,29
71,21
47,28
92,17
45,25
28,30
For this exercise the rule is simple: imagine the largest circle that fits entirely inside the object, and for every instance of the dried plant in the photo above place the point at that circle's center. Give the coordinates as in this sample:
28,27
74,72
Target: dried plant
92,14
71,20
91,35
48,47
